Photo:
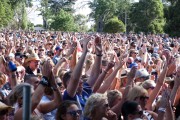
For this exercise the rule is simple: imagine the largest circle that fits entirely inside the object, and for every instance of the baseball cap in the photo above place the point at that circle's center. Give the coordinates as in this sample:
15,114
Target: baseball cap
142,73
58,48
133,64
19,55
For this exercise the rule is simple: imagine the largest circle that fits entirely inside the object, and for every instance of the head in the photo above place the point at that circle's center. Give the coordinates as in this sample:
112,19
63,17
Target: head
133,53
129,61
138,94
114,96
19,57
16,95
149,85
131,110
68,110
33,61
41,51
142,75
96,105
32,80
58,50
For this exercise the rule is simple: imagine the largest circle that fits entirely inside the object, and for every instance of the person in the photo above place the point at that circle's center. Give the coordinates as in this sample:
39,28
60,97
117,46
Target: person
75,88
97,108
33,63
131,110
4,110
114,96
58,55
68,110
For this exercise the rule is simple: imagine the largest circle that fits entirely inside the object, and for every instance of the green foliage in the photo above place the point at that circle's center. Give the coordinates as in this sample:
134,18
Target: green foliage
6,13
148,16
30,26
173,25
64,21
80,21
114,25
24,22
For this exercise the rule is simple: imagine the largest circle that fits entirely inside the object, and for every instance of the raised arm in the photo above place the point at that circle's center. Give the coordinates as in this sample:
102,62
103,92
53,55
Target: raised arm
130,79
108,81
102,76
97,64
75,77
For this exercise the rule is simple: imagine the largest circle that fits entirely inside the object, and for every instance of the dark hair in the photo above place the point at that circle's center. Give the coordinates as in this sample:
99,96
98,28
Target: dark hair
66,77
129,107
27,77
62,109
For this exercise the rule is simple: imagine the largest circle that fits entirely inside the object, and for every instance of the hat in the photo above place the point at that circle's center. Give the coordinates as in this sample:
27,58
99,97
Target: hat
32,56
124,73
58,48
133,64
11,55
138,59
141,73
168,79
5,107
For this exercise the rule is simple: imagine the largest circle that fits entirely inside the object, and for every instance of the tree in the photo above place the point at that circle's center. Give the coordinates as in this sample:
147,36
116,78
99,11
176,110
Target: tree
101,11
114,25
173,25
6,13
64,21
80,21
147,16
24,23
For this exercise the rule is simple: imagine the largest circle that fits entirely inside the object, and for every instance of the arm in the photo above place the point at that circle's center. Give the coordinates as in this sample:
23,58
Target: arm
157,89
102,76
97,64
118,106
75,77
108,81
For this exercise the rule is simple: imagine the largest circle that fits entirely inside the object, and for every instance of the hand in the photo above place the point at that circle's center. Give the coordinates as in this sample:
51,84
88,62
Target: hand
98,45
85,43
47,68
111,115
109,66
132,73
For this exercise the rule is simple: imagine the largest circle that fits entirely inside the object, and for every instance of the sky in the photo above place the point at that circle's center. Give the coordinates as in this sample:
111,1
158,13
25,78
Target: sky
34,17
80,6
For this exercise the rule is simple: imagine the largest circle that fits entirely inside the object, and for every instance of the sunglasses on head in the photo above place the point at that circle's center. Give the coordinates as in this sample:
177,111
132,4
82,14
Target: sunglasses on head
75,113
143,97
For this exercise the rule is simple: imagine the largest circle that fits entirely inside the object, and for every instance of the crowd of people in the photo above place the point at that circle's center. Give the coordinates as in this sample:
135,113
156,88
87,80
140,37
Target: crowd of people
90,76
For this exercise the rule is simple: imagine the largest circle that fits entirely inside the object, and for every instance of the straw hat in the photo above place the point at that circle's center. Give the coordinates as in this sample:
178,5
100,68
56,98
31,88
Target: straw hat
5,107
124,73
32,56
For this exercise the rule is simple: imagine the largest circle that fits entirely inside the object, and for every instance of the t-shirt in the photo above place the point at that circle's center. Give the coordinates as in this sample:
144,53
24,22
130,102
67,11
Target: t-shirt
81,99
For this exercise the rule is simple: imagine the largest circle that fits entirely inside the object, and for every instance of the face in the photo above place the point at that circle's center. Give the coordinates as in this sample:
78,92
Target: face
34,64
137,114
20,59
134,54
73,113
35,82
142,100
103,109
41,52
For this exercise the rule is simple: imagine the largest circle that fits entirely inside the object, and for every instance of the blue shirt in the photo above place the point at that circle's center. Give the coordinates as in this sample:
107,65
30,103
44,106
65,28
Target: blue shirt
56,59
81,99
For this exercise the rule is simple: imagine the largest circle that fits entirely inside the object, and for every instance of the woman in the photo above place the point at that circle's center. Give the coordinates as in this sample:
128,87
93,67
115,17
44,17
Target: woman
141,96
68,110
97,108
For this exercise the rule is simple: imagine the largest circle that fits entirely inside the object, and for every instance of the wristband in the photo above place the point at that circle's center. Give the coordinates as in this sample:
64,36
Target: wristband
45,78
162,109
99,55
44,82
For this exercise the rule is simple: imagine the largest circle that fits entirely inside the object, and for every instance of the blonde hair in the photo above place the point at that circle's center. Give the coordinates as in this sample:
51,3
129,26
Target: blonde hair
94,101
135,92
112,95
2,78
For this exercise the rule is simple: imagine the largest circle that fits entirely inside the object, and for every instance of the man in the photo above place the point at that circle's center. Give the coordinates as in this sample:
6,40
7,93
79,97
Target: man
58,55
141,75
32,62
19,57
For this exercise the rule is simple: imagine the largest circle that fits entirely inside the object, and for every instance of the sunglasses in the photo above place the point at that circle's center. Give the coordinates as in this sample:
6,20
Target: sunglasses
59,84
143,97
75,113
139,113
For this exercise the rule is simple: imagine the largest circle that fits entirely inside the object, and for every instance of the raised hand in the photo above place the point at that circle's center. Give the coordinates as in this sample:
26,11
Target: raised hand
85,43
109,66
165,98
132,73
47,68
98,45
